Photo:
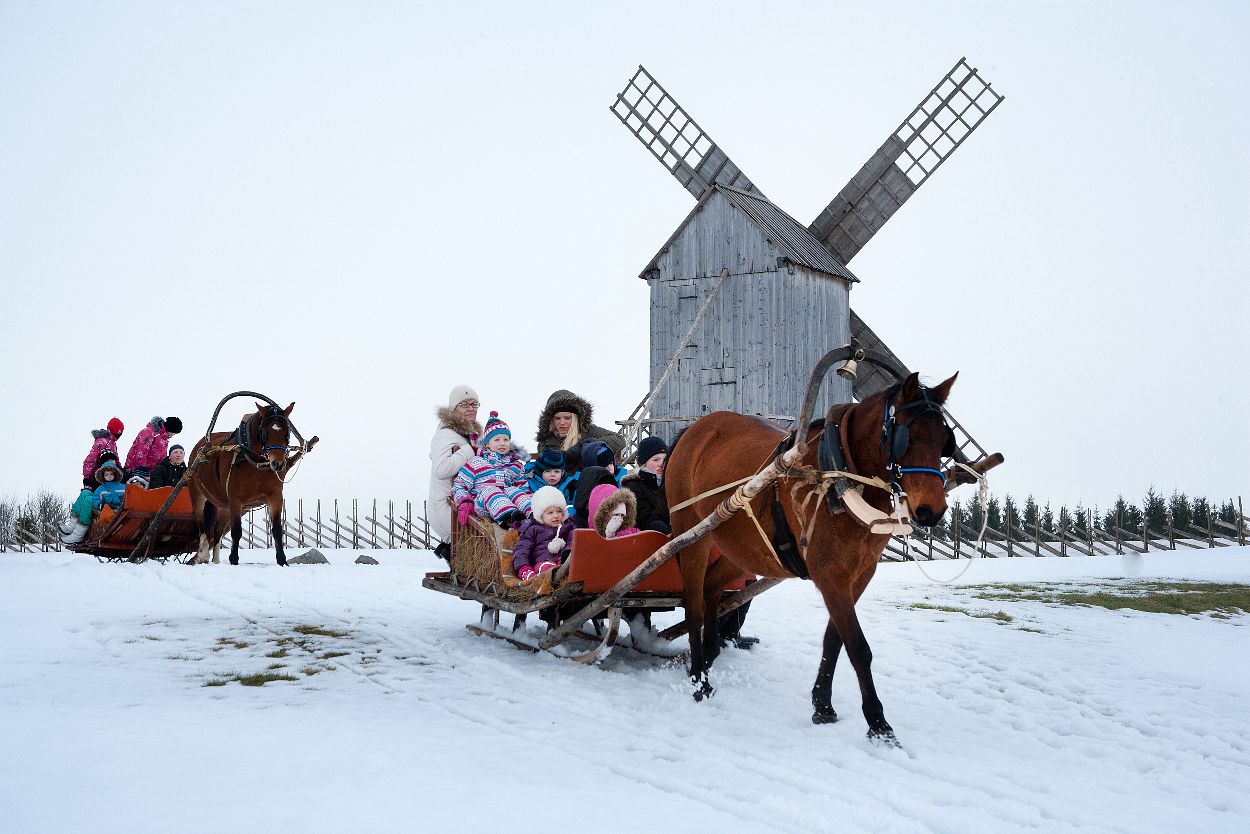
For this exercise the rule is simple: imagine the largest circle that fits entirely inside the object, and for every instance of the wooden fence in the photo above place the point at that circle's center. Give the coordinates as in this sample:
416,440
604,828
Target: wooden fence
374,525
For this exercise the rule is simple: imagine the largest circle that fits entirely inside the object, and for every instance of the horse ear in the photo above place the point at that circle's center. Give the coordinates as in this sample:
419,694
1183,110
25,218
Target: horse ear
286,412
911,387
260,409
941,392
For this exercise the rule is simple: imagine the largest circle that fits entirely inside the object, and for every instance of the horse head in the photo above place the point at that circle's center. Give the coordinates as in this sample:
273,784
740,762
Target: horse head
273,433
902,435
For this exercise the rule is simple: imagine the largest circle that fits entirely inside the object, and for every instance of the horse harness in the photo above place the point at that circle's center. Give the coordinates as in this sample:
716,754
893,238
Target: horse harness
837,471
242,436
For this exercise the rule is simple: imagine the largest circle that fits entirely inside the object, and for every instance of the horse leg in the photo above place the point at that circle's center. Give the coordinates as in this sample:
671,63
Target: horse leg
842,616
693,564
275,525
822,690
207,514
719,574
236,533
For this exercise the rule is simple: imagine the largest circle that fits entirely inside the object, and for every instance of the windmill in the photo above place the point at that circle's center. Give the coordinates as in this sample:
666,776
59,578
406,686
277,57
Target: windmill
788,300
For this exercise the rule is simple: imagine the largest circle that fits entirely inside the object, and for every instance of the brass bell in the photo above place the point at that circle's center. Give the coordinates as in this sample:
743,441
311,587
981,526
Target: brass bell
848,369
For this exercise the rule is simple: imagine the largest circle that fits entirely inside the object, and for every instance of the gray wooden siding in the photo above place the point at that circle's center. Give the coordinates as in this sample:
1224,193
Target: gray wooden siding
758,342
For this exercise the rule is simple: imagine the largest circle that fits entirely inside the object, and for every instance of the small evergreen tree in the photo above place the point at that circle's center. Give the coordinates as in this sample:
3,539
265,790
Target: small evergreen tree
1048,518
1080,524
1182,512
1201,512
994,513
1155,511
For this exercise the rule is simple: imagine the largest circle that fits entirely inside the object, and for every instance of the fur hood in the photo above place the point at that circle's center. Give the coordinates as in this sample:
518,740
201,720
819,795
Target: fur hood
447,419
604,511
563,400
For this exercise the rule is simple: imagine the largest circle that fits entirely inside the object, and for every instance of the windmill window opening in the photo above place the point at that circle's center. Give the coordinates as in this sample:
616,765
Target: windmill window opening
960,102
930,133
943,145
654,94
667,107
946,88
668,133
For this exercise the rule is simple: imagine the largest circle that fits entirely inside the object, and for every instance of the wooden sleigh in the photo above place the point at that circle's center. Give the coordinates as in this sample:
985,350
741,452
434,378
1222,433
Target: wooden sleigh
114,535
481,570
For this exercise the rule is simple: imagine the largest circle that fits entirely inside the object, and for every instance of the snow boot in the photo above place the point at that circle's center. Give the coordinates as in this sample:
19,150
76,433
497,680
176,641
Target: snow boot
77,534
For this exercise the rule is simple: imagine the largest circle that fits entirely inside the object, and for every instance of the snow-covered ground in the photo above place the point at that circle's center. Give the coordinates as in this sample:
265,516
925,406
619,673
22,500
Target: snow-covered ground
1061,719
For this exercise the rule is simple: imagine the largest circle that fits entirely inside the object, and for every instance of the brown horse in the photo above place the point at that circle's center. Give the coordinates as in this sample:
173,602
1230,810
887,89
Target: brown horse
239,471
898,435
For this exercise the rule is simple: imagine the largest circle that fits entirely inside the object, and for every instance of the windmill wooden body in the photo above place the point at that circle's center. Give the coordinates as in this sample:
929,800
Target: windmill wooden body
744,298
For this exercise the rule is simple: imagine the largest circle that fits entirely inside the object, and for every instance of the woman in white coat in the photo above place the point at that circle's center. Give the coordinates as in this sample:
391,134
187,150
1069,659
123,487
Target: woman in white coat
455,442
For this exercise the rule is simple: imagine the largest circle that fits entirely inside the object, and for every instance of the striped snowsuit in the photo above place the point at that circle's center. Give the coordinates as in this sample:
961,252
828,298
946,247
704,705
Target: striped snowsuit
494,482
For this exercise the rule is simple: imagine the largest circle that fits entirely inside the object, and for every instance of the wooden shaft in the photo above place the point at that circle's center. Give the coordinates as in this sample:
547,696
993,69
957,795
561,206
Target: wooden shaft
737,600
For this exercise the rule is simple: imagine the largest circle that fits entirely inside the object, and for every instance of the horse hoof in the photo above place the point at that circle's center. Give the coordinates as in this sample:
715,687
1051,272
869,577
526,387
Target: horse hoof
234,560
282,563
823,717
704,692
884,737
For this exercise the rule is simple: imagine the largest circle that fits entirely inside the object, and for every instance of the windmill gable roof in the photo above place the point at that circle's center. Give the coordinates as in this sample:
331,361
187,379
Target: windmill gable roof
794,241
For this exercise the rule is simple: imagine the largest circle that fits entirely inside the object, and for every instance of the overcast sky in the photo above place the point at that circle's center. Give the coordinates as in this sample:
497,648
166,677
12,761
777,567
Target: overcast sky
355,206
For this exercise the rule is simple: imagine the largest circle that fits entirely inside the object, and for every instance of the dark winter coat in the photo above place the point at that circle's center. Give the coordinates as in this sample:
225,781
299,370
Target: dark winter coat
652,505
568,401
587,480
166,473
531,545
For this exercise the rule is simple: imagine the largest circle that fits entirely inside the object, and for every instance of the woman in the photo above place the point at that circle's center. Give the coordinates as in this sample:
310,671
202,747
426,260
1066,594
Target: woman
454,444
566,421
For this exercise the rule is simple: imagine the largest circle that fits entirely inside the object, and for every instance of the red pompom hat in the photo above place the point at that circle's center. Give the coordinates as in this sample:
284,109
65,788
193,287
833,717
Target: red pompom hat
116,427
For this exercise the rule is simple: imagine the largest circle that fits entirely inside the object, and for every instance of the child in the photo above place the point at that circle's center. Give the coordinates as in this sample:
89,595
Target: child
548,470
493,483
598,467
111,489
613,511
149,447
544,539
105,441
647,485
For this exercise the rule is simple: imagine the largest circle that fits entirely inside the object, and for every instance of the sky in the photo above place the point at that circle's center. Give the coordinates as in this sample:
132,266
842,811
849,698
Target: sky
355,207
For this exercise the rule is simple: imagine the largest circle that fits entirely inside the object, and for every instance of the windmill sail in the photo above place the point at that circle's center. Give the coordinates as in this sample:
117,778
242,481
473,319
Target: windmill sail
674,138
926,138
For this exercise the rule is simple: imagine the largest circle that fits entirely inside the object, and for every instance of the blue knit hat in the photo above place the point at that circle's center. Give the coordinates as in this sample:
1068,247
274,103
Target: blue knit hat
494,426
549,459
597,453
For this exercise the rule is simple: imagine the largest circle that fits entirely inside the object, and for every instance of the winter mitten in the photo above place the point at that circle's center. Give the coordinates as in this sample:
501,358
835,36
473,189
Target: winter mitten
544,565
525,573
556,545
463,510
614,524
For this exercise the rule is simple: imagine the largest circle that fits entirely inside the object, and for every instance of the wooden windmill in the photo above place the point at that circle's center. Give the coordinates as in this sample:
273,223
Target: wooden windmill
744,299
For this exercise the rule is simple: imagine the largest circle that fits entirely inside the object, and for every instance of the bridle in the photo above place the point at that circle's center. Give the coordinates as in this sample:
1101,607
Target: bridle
895,436
269,418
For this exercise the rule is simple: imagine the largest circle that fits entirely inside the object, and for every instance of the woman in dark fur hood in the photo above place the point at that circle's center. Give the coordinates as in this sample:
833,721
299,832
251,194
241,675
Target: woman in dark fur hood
454,444
566,421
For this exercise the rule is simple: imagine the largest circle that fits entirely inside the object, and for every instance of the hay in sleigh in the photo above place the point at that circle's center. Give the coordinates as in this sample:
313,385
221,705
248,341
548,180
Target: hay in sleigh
482,552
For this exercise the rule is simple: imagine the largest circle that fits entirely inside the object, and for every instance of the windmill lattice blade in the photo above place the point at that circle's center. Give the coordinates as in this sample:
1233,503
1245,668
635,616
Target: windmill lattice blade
674,138
925,139
871,380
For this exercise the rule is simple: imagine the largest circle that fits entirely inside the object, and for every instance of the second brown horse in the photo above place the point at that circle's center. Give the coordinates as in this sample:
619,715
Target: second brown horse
242,470
841,553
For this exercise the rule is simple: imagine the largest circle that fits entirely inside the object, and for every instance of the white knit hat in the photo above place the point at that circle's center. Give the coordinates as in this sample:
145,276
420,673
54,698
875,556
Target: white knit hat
545,498
459,394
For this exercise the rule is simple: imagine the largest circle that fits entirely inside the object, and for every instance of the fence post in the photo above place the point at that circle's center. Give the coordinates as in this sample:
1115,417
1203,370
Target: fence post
1241,523
958,516
1010,534
1171,532
336,522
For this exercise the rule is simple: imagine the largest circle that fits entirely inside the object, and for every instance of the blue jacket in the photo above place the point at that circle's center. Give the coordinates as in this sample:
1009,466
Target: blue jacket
109,492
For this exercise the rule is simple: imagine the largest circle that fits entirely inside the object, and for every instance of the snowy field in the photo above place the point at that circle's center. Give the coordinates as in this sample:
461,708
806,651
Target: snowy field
1013,715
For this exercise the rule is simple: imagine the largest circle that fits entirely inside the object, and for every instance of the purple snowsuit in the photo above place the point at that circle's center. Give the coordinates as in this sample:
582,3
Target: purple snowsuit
104,442
531,546
149,449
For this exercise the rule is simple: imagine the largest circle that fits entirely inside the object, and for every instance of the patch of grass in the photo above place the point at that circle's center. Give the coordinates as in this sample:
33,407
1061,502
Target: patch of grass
151,637
278,653
1031,630
928,606
275,666
1218,599
217,682
319,631
331,655
262,678
1001,616
310,670
230,641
